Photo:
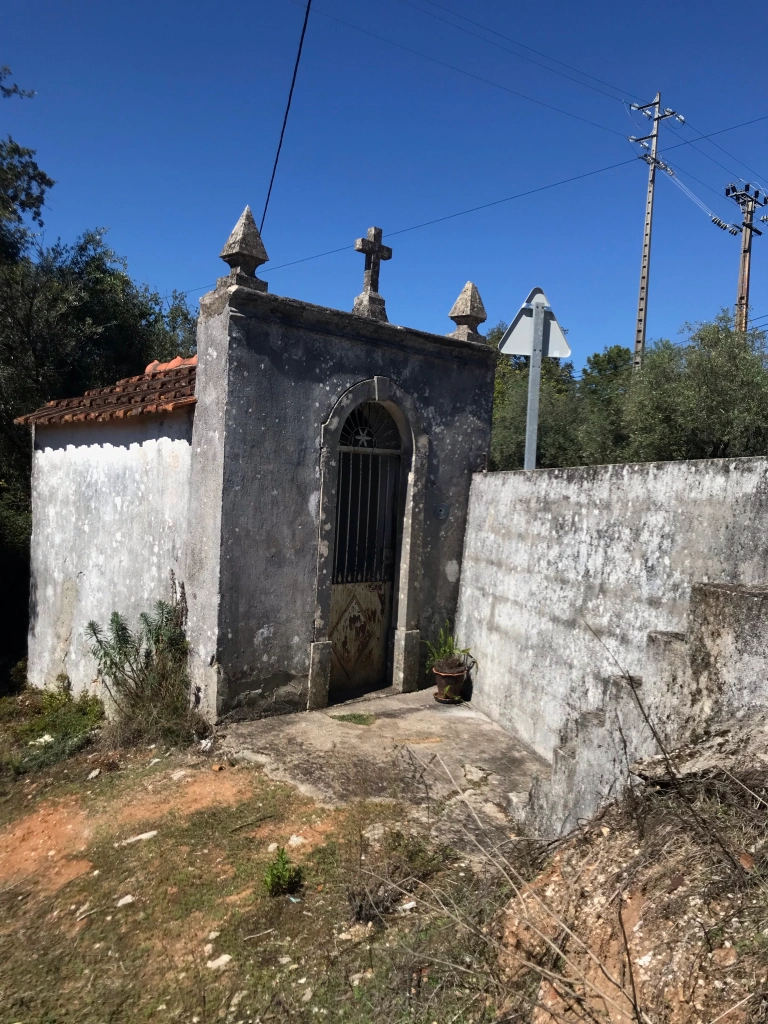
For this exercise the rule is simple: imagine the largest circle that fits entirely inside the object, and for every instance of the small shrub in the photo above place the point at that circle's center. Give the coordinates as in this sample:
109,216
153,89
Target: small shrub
445,654
282,877
145,674
355,718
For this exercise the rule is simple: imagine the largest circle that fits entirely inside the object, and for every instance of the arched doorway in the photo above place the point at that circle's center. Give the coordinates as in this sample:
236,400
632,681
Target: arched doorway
365,550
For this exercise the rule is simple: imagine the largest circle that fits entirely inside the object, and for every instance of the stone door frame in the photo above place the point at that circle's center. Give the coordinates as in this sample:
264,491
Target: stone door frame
405,611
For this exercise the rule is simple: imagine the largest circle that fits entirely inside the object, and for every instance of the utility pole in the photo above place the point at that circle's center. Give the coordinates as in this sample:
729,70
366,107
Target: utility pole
748,198
654,112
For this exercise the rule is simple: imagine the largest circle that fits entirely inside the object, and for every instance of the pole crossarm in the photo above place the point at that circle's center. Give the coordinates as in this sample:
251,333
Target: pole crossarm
749,199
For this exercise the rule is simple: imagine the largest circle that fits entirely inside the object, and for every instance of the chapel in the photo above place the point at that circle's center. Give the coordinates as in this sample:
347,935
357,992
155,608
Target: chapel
305,475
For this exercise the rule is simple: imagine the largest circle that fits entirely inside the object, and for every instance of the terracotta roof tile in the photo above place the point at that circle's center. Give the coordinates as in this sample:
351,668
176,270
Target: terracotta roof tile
162,388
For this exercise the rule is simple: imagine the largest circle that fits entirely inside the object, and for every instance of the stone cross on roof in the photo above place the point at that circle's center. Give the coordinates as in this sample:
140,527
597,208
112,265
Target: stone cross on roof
369,303
244,252
467,313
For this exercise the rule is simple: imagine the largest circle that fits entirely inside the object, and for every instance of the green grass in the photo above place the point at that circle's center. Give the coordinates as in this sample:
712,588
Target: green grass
35,714
355,718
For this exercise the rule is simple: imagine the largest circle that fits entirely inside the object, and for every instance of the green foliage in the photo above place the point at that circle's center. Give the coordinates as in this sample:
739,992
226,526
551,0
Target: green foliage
281,877
145,674
703,398
42,727
355,718
446,653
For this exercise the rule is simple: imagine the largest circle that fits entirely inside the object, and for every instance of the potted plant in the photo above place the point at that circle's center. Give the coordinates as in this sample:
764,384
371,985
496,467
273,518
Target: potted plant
449,663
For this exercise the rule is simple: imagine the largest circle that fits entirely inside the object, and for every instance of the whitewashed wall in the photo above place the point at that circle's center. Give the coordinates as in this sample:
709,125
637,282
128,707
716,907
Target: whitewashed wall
109,519
549,553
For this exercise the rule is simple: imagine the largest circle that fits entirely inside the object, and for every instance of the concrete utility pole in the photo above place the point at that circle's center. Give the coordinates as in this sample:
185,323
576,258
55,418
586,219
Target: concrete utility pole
749,199
657,115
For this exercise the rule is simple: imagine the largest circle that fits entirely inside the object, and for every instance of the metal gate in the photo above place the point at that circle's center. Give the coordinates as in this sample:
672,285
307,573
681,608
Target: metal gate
365,550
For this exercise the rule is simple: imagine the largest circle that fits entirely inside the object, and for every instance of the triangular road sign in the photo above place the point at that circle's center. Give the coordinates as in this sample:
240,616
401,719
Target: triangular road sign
518,337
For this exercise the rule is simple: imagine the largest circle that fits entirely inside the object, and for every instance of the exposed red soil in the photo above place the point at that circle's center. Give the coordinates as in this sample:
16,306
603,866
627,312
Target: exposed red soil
45,842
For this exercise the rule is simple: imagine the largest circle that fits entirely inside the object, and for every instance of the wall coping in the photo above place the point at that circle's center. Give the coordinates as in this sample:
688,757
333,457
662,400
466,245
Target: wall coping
337,322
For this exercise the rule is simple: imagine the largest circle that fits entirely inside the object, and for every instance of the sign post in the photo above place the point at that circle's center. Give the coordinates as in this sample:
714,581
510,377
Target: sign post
534,332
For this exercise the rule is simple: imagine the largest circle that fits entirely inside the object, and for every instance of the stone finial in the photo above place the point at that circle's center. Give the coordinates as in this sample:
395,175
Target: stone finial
468,311
244,252
369,303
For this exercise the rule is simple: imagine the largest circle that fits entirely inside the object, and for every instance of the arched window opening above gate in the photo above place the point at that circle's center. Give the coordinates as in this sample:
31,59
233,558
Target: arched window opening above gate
367,497
370,428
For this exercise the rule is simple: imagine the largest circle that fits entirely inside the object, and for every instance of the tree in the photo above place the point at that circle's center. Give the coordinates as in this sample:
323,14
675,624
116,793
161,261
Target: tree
703,399
557,440
602,392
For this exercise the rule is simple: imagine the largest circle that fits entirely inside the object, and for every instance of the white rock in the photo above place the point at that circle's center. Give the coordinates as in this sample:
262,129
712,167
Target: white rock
237,999
272,847
178,774
124,901
41,741
220,962
206,744
307,996
208,948
94,774
296,841
284,959
137,839
405,907
212,935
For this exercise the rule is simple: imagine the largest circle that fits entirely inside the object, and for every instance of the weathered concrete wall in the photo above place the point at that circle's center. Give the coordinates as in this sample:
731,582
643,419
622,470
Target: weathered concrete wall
110,517
572,578
287,365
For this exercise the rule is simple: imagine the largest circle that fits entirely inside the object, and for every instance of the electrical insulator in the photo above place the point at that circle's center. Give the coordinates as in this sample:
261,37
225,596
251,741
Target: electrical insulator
680,118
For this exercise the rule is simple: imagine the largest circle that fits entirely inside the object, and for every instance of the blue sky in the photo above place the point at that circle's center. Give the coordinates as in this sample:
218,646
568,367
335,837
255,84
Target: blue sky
160,121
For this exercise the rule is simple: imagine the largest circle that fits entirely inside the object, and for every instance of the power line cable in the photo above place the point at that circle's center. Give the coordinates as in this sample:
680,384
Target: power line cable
438,220
469,74
578,71
506,49
691,195
720,131
731,155
692,144
570,67
287,111
525,46
718,192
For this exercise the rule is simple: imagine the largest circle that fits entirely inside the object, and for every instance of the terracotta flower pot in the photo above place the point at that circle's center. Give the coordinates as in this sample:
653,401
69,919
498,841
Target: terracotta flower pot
449,685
